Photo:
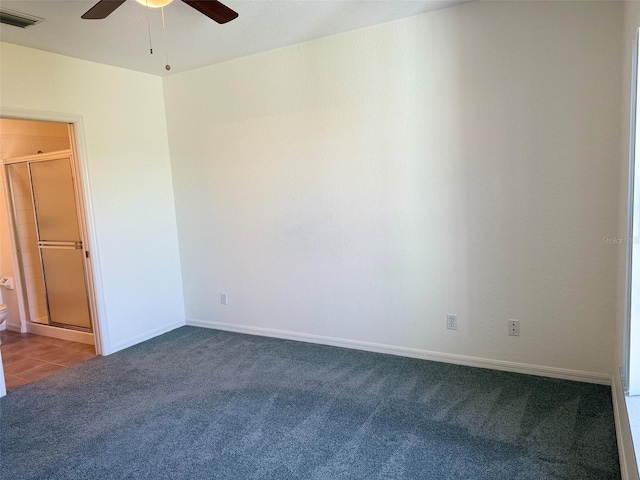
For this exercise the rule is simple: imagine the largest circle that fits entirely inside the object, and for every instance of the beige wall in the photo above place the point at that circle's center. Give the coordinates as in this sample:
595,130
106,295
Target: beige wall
360,187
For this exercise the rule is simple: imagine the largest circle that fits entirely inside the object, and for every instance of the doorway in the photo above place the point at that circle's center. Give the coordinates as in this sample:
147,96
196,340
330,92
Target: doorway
25,137
44,230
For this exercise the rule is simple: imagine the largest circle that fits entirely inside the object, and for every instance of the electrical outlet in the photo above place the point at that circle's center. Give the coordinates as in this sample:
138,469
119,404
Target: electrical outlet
514,328
452,322
223,299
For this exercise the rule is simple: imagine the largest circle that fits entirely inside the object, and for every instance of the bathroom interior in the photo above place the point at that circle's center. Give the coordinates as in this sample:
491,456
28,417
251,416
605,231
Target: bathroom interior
45,293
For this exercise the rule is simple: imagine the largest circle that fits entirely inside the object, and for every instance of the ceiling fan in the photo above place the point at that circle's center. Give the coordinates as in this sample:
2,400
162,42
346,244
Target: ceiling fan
213,9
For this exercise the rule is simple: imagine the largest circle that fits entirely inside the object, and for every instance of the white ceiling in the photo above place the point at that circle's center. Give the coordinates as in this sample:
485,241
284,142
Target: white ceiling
194,40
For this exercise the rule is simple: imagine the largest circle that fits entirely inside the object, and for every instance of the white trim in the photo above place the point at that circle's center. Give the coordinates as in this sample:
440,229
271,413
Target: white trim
61,333
15,327
539,370
38,115
626,452
92,264
626,321
144,337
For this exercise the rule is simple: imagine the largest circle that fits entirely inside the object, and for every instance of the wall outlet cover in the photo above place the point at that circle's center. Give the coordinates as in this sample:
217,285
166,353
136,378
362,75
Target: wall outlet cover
514,328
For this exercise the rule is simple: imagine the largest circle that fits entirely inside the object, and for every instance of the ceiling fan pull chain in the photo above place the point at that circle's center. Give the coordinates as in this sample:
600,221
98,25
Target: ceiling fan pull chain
149,30
166,42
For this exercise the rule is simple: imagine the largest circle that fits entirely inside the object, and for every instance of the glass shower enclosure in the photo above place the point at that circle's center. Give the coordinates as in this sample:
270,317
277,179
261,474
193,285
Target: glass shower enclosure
49,240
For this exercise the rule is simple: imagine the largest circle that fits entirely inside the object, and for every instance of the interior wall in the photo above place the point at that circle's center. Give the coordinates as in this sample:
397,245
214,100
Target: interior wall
19,138
129,180
362,186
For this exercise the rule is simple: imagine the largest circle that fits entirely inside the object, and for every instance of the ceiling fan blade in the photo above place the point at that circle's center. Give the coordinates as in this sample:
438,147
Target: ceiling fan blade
213,9
102,9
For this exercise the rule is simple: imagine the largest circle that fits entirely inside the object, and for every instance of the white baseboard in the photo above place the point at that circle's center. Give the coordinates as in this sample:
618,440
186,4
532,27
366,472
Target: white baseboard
626,451
539,370
141,338
61,333
14,327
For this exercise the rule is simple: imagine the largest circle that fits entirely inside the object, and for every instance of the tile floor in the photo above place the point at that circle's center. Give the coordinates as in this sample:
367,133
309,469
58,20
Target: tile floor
27,357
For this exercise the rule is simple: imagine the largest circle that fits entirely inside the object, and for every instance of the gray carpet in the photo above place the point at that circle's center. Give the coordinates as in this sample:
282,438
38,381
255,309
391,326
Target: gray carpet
205,404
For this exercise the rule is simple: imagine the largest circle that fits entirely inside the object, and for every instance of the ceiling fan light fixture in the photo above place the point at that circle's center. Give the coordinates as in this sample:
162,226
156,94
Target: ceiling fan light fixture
213,9
154,3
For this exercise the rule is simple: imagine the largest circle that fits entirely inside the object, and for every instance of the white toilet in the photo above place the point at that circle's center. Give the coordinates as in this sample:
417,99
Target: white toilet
3,314
3,311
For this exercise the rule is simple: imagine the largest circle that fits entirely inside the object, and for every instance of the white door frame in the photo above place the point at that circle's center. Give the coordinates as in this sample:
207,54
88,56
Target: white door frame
76,137
628,304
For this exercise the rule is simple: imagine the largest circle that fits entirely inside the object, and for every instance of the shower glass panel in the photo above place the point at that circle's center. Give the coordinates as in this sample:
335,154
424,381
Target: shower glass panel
59,242
55,201
27,242
66,293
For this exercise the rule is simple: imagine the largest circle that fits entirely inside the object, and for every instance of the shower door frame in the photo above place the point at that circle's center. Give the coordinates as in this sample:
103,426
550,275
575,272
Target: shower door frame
40,158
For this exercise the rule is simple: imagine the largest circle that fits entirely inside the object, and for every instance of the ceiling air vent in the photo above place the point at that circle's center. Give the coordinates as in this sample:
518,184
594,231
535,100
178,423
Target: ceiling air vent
17,19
